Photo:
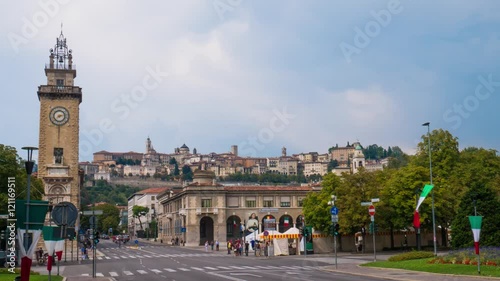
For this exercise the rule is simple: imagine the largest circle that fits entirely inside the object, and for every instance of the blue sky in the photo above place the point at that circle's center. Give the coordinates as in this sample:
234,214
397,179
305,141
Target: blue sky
259,74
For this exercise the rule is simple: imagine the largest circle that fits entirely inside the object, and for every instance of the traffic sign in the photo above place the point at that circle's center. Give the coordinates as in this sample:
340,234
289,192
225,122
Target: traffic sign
371,210
90,213
366,203
375,200
335,218
266,233
334,210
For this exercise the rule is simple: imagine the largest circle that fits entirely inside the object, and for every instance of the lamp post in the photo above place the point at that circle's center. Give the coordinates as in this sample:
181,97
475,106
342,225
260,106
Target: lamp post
432,191
29,169
154,223
334,222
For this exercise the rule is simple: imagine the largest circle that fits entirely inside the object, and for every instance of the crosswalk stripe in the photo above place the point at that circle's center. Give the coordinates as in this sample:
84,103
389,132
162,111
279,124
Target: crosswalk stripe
99,258
85,274
123,257
116,257
139,257
113,274
146,256
184,269
106,257
223,267
142,271
169,270
197,268
211,268
156,270
98,274
235,267
128,273
247,267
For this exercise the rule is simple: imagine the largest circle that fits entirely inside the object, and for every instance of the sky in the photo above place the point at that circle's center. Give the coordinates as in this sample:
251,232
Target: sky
306,75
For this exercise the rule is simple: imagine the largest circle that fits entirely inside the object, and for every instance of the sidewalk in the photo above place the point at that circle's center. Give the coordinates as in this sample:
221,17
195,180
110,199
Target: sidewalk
400,274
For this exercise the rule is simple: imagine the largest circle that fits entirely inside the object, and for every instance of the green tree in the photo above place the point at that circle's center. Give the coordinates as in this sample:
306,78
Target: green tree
110,217
315,205
12,166
138,212
488,206
187,173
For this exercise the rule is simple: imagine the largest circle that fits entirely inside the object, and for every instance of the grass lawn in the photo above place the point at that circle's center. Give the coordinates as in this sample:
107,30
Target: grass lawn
422,265
11,276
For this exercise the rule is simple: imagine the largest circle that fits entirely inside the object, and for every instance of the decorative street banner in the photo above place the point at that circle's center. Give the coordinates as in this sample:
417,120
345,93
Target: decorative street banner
425,192
416,216
475,222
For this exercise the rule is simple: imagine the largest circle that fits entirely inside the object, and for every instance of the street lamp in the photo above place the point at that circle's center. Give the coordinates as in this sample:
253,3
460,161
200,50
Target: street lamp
432,191
154,223
334,226
29,169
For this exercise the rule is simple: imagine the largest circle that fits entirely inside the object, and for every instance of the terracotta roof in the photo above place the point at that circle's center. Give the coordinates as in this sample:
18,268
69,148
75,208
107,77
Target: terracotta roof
267,188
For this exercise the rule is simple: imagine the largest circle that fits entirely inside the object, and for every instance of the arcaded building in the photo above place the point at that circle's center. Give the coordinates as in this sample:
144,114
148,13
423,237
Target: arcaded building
208,211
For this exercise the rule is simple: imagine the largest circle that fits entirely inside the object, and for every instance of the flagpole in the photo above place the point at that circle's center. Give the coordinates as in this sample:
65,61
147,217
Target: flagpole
432,191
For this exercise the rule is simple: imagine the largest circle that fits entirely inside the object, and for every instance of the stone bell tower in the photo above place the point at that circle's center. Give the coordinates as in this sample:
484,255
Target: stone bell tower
59,127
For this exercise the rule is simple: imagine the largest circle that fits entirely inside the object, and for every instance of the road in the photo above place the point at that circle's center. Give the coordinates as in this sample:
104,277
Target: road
164,262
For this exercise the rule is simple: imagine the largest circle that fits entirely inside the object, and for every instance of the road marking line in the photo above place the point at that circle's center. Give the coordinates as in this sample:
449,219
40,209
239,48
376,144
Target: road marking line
116,257
183,269
211,268
128,273
85,274
124,257
197,268
113,274
108,258
156,270
99,274
142,271
169,270
224,267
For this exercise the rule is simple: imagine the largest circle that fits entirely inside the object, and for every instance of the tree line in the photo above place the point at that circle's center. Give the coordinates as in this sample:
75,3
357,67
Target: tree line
465,182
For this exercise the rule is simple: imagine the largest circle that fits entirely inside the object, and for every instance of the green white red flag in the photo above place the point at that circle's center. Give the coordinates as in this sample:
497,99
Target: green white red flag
425,192
416,216
475,222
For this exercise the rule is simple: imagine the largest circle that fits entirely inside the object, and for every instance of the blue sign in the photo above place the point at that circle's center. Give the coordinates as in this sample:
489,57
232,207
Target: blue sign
136,241
334,210
183,229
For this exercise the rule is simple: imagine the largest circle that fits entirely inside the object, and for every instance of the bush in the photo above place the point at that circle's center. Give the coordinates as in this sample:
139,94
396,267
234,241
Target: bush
413,255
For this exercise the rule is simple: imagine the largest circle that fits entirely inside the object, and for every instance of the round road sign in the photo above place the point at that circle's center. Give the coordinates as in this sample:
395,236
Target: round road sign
371,210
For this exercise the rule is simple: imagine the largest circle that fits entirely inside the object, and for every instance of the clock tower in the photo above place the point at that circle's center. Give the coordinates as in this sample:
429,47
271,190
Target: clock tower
59,127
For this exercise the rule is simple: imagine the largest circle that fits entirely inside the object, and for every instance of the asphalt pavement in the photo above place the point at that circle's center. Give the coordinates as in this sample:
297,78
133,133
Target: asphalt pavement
192,263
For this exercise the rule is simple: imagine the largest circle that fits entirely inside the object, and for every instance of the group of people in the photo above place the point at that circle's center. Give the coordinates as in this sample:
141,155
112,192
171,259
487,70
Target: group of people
237,247
211,245
175,242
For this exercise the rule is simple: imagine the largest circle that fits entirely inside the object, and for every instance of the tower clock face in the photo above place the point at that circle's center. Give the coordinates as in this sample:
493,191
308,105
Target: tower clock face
59,115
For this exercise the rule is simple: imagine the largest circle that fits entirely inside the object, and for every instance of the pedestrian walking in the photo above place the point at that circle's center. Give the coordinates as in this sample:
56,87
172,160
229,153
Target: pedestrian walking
206,246
212,245
228,247
217,245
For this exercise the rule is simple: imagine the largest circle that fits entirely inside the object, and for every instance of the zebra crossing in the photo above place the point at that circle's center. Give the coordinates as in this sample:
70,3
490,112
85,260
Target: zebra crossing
140,272
154,256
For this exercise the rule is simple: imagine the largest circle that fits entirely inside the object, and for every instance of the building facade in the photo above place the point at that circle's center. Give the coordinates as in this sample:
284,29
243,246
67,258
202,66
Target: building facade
207,211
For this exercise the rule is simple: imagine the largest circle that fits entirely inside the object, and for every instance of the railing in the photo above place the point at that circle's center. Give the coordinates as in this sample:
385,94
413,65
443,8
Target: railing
200,211
60,89
60,66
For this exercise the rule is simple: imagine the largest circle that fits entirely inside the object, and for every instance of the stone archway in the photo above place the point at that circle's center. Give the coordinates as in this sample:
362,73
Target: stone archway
299,222
233,228
206,230
268,223
286,222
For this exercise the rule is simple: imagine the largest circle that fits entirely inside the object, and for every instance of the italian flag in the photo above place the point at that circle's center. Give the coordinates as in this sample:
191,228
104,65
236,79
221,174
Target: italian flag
425,192
53,240
286,222
475,222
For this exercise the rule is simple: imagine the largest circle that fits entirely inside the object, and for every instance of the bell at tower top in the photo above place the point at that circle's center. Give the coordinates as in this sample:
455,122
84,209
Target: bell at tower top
61,56
60,72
